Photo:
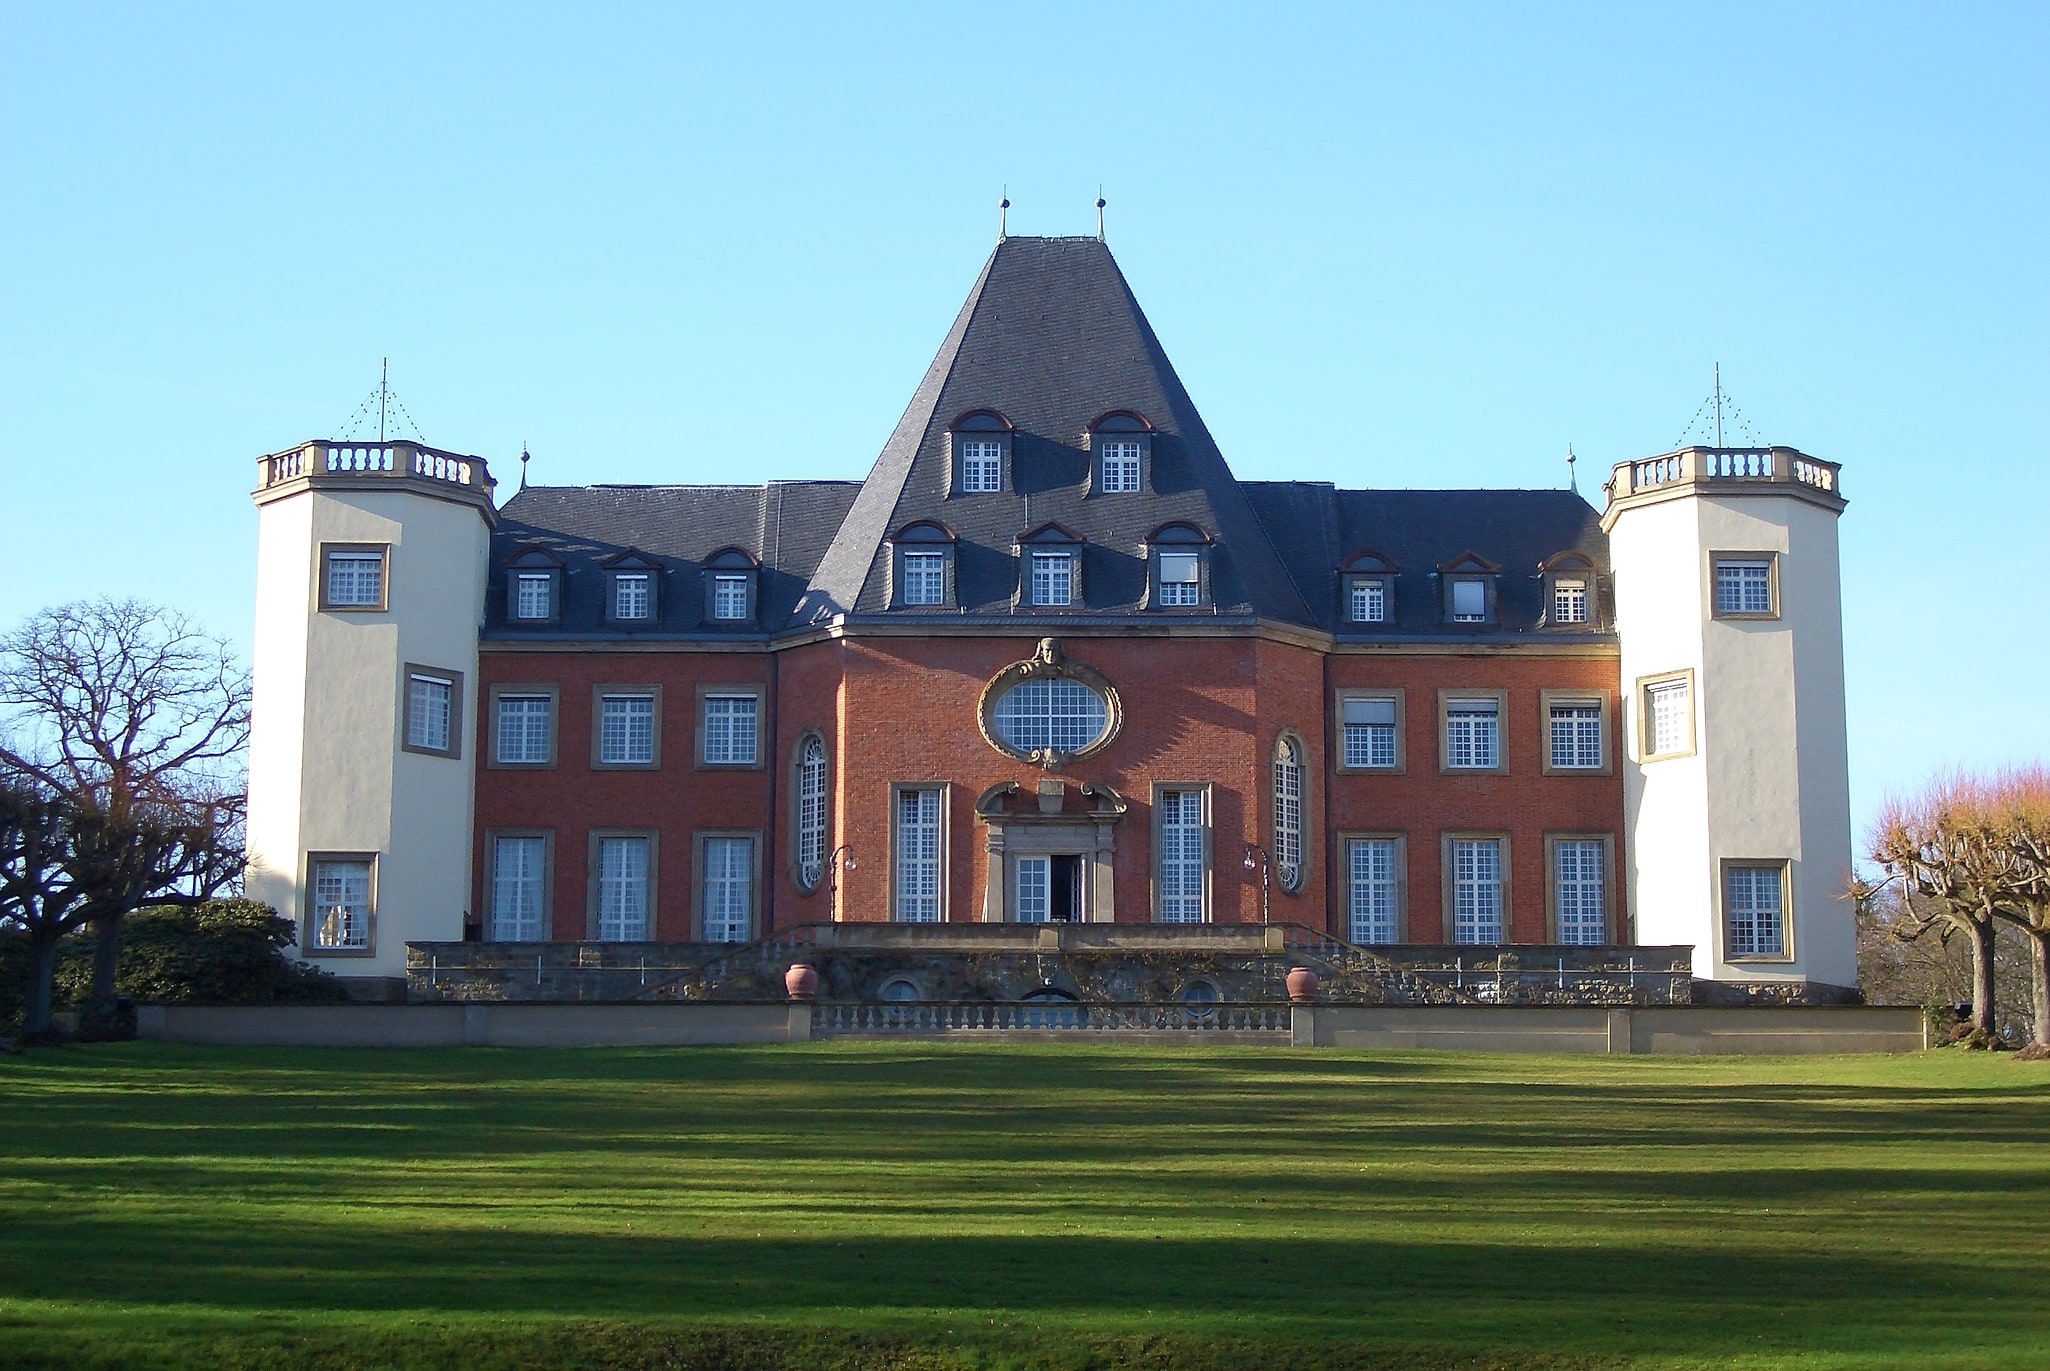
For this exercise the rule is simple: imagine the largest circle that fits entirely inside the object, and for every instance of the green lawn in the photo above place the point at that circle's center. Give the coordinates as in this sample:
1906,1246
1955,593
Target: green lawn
897,1205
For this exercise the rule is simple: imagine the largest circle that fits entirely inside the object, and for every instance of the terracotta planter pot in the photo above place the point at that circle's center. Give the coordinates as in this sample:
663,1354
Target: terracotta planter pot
802,981
1302,985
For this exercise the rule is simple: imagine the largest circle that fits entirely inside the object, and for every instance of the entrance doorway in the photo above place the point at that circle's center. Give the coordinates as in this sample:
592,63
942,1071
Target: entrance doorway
1049,890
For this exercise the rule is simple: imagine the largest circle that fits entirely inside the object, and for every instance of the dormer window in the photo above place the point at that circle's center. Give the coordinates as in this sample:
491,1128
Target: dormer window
1569,590
1122,445
1178,556
1469,600
922,566
1367,589
981,441
1051,568
731,581
1469,589
533,589
632,583
1569,600
1053,578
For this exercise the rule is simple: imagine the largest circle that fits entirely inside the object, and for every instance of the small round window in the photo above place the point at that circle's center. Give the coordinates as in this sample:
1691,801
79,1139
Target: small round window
1051,714
900,992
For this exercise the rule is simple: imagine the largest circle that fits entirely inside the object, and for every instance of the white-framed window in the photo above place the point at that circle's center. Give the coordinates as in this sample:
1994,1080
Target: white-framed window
1576,734
526,724
1181,578
1288,813
1580,882
1034,903
1476,890
1569,600
1183,857
1119,466
1473,734
1669,717
1053,578
354,579
632,595
623,889
982,465
1368,603
430,712
918,855
1370,731
925,578
533,595
1743,585
730,730
729,595
626,730
1372,912
729,889
1469,600
519,874
340,919
811,811
1754,910
1050,712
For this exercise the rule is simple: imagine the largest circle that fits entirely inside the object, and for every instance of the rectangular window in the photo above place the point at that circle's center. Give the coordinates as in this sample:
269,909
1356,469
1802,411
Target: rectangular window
1370,734
1053,578
730,730
1181,578
1580,891
918,856
729,889
1182,858
1470,601
354,579
1669,718
533,594
1369,600
1477,890
519,867
623,890
631,598
430,713
1035,890
982,465
1569,601
526,724
1473,735
1743,585
1576,735
925,578
1120,467
1371,890
729,595
340,918
1754,907
626,730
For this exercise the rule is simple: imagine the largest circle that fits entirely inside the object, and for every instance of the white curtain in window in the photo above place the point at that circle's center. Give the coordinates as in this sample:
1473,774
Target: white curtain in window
1477,890
1371,889
918,856
729,889
623,890
516,888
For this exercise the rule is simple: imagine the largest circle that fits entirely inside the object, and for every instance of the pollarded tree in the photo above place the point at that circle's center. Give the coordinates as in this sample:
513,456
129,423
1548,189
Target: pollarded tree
133,722
2023,816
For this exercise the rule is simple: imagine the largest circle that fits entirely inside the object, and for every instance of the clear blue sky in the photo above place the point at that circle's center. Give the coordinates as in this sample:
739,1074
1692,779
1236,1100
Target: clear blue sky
1401,246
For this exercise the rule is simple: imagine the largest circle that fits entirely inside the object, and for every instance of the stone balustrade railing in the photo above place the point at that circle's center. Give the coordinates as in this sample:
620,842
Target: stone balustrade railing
327,457
1047,1016
1696,465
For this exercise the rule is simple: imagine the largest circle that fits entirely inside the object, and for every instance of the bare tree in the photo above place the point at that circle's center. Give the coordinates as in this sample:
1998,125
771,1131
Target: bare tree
2024,819
132,721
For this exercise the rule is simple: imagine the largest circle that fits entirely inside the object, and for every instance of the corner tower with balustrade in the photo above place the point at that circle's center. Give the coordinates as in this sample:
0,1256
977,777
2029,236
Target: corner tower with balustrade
1736,792
371,560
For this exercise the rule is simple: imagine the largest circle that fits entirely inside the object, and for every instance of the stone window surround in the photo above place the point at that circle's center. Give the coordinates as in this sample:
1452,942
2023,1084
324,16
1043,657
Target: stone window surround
1090,835
702,868
1772,573
1446,697
598,694
1599,695
1306,807
593,839
1642,694
1552,840
1449,882
796,780
1345,838
946,843
547,837
383,551
1207,791
1788,951
553,694
1396,693
705,693
308,915
407,672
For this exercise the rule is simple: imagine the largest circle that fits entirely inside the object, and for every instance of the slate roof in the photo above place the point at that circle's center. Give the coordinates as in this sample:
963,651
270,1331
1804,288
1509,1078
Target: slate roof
1052,338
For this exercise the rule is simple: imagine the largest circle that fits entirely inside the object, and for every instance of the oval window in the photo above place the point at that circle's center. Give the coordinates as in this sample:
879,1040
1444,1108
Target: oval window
1056,714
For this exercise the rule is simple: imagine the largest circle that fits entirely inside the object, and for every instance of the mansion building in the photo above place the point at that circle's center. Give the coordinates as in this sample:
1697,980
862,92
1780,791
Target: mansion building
1052,661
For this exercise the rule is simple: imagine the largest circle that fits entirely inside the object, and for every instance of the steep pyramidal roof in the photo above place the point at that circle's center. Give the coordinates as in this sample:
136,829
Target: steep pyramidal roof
1052,338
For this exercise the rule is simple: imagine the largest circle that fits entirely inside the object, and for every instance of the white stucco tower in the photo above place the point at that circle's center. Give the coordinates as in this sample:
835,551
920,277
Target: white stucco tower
371,563
1736,777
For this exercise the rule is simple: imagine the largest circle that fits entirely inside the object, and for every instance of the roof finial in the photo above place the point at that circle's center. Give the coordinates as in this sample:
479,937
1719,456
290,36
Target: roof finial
525,458
1099,211
1718,404
1003,211
1572,473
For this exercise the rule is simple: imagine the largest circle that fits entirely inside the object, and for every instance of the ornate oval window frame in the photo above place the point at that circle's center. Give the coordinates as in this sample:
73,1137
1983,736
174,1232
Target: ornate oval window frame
1049,662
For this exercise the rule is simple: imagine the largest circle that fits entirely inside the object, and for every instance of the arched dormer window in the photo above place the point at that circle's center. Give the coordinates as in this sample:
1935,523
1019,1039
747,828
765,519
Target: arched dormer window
1049,568
1121,453
732,587
980,456
1288,812
1468,589
633,590
922,566
1178,567
1366,587
533,589
1569,590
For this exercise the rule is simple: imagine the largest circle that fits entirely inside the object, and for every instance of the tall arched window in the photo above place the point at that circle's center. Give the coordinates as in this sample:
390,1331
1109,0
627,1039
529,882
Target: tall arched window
811,811
1288,813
